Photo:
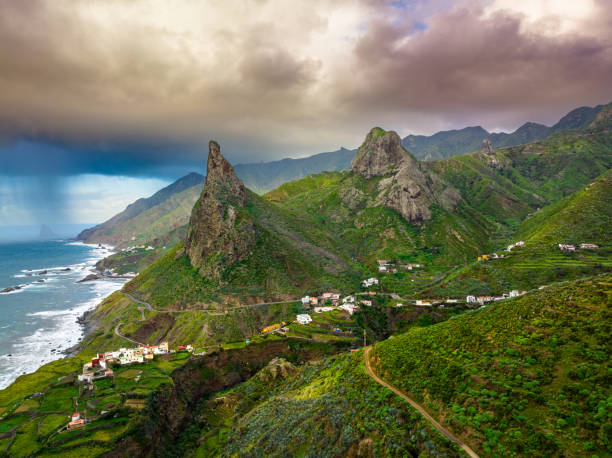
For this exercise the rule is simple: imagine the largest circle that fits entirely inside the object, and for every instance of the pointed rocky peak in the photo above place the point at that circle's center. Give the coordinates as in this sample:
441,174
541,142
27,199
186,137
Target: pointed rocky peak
487,148
221,178
220,231
380,154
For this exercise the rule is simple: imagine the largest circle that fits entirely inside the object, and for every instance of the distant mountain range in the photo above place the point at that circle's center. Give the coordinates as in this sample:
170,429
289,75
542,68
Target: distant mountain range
452,142
149,220
265,176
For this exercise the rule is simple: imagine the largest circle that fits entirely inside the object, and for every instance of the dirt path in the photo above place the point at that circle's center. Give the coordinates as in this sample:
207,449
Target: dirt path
441,429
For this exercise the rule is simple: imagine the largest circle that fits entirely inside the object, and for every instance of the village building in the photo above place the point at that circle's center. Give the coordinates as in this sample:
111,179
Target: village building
588,246
470,299
323,309
369,282
303,318
348,299
567,247
515,245
514,293
306,300
422,302
365,302
451,301
350,308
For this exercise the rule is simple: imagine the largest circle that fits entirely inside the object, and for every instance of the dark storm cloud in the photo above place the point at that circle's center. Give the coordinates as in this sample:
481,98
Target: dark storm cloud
139,87
467,64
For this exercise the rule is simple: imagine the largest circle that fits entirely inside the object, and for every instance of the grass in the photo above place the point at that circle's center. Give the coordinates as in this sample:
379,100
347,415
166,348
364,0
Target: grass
526,376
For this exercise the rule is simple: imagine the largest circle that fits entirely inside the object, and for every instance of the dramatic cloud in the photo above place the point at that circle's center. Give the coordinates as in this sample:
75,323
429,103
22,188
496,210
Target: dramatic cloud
139,87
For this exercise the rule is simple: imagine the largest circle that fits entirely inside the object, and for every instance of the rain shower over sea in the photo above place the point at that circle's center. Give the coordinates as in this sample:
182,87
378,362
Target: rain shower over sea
38,321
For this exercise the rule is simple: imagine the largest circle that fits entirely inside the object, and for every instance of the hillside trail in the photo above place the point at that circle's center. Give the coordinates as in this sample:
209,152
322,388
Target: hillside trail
210,312
441,429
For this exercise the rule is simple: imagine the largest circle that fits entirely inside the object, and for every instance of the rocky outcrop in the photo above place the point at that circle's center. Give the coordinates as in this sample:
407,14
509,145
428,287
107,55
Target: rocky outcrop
220,232
490,155
407,186
277,368
380,154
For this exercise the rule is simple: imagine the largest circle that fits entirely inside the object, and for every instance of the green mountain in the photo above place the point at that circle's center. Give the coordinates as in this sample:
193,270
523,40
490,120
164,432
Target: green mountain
525,377
149,218
583,217
454,142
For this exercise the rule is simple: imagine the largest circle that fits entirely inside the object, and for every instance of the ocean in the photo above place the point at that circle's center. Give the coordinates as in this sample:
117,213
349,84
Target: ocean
39,321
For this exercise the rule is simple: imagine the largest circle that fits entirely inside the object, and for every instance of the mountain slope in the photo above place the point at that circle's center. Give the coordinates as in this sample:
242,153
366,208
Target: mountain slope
454,142
242,249
525,377
150,217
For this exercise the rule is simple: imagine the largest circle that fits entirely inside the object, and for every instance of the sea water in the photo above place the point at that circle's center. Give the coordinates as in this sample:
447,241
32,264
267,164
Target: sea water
39,321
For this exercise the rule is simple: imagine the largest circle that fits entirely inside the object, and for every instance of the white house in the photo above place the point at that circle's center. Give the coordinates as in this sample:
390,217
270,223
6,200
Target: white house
514,293
323,309
349,308
422,302
303,318
348,299
306,300
470,299
86,377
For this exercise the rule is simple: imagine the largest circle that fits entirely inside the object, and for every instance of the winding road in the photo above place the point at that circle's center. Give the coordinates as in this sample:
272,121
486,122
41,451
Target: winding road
212,312
441,429
123,337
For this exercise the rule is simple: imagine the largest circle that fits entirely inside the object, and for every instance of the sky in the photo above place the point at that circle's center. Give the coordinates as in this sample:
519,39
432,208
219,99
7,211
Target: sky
105,101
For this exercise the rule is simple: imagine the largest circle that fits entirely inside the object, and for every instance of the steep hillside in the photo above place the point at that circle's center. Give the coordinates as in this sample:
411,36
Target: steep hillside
242,249
583,217
528,377
389,206
149,218
326,408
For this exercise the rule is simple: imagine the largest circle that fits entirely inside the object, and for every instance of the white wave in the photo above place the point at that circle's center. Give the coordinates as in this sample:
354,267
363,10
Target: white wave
60,331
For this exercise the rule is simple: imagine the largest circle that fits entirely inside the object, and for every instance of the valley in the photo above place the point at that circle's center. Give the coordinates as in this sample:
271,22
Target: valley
396,308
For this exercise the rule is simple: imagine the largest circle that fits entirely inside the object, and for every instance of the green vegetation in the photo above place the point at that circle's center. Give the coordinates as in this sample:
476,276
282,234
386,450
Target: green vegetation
329,408
37,406
529,376
150,220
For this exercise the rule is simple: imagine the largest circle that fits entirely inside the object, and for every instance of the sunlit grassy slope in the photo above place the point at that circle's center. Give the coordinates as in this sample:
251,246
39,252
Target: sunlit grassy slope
529,376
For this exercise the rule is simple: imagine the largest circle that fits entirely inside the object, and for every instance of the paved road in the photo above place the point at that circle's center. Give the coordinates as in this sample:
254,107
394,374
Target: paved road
212,312
441,429
123,337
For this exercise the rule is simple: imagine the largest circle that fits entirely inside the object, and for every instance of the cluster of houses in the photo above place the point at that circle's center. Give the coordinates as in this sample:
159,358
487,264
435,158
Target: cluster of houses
518,244
369,282
100,366
385,266
484,257
486,299
583,246
131,249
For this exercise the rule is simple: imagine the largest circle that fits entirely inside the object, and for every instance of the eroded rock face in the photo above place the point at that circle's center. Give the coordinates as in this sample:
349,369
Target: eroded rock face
220,231
407,187
490,156
277,368
380,154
